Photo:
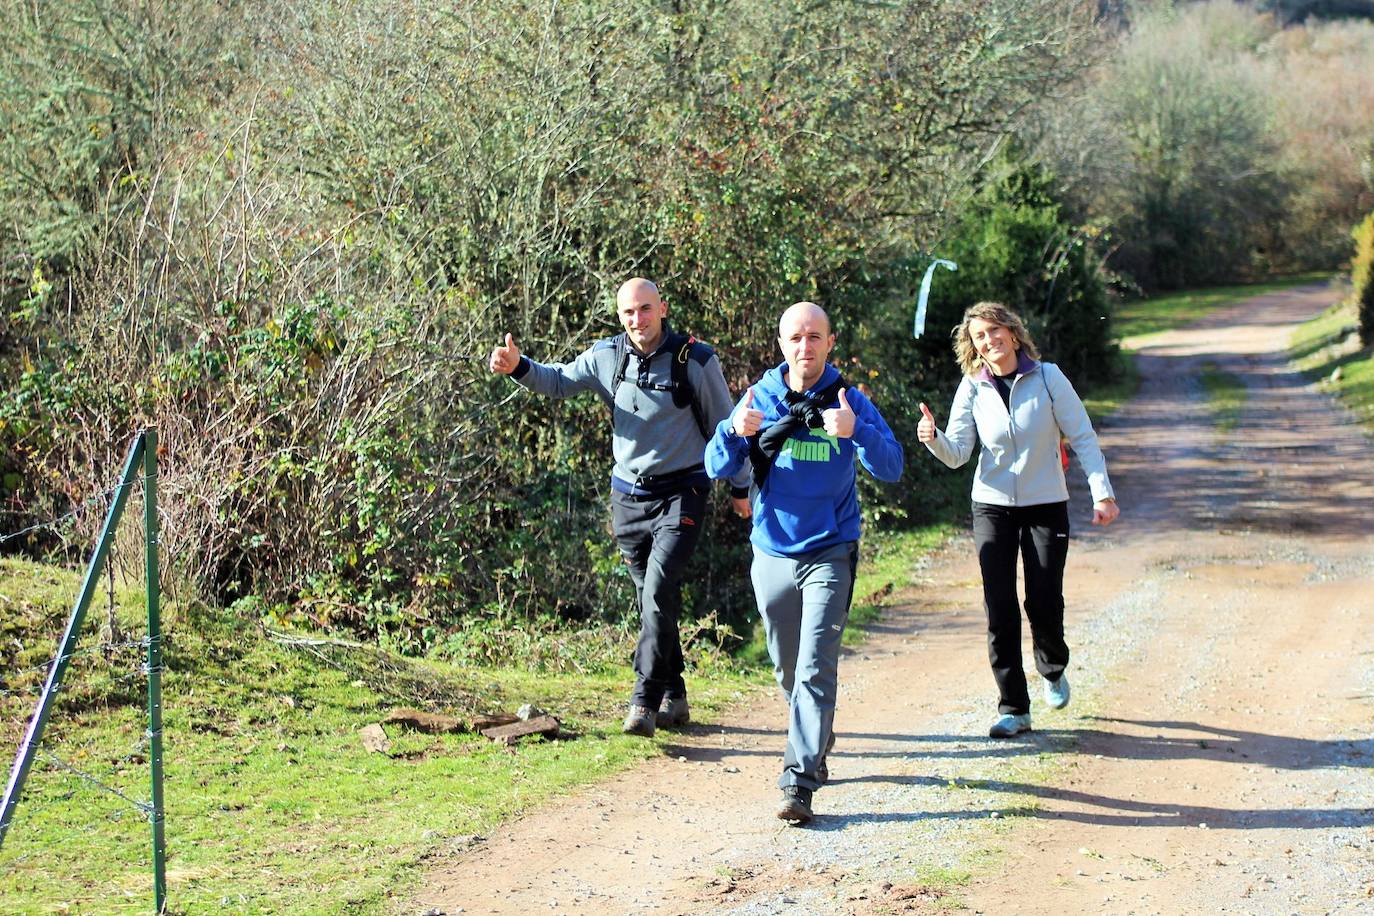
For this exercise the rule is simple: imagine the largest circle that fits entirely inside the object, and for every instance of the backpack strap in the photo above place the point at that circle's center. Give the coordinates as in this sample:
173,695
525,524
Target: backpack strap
1063,444
621,342
685,349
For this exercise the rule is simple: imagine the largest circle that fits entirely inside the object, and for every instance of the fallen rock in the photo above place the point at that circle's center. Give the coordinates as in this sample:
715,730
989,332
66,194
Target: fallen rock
428,722
545,726
374,739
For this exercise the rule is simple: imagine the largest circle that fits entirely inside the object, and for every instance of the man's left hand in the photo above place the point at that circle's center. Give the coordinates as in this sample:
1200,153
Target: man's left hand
741,506
839,421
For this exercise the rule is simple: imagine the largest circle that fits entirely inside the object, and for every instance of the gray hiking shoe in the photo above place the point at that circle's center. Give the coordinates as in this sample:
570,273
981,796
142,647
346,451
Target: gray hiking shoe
673,712
640,722
822,769
1057,692
1009,726
796,805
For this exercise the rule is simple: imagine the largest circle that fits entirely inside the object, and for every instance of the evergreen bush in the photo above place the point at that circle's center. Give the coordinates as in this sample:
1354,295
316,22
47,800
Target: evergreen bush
1362,278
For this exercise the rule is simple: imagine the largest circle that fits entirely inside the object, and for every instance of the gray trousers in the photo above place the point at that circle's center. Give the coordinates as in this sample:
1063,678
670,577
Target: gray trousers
804,602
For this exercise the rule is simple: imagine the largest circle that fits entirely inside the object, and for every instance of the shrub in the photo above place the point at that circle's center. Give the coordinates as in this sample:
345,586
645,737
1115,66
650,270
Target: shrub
1362,278
302,287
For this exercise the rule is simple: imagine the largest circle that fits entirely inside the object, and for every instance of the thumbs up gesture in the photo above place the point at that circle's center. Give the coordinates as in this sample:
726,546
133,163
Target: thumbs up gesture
925,430
505,359
747,420
839,421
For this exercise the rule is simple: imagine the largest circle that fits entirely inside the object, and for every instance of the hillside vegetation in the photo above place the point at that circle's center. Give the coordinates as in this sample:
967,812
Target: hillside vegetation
288,236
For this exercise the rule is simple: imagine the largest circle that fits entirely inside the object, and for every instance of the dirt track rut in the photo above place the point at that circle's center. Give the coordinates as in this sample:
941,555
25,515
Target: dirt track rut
1215,757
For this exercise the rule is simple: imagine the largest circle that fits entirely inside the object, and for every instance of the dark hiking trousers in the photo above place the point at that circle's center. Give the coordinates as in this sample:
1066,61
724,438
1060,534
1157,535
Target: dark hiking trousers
1040,534
657,536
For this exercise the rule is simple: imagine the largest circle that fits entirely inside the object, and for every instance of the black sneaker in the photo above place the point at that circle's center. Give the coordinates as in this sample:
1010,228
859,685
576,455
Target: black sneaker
796,805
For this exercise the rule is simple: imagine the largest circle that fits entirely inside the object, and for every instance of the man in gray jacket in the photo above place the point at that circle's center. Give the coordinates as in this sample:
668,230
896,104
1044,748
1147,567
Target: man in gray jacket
666,392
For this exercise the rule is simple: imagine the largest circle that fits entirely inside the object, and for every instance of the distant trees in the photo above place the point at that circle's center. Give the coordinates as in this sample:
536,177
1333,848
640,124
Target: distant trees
1218,146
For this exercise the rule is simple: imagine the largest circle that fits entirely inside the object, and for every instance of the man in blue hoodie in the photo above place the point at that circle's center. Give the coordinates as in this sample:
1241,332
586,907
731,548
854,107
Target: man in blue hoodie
802,430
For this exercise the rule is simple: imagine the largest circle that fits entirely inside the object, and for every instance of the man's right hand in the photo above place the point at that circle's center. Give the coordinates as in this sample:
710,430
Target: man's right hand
505,359
925,430
747,420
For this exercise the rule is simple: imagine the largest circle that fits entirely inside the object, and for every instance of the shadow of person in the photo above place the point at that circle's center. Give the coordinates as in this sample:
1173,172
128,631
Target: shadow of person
1029,800
1177,740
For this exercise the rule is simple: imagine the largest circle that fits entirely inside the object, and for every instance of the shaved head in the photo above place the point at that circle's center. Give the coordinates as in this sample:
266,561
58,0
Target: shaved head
803,311
805,338
637,289
641,312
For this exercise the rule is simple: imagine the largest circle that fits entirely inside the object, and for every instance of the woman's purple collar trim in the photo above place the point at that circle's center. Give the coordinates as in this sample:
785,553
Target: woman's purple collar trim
1024,364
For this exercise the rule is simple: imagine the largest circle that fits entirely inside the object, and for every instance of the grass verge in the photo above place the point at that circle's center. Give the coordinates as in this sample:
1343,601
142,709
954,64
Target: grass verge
888,560
272,802
1172,310
1225,396
1327,349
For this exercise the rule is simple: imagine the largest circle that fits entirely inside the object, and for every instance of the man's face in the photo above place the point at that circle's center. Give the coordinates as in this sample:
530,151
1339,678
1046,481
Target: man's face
641,313
806,343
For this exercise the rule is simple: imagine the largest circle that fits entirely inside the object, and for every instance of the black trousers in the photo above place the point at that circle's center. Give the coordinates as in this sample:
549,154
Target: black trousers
1040,534
656,538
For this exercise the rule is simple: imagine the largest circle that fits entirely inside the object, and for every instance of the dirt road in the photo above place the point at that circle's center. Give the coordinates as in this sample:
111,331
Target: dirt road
1216,756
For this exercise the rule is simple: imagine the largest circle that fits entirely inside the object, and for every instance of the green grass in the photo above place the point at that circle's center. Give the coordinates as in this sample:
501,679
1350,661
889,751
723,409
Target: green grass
1225,396
1162,313
886,561
273,805
1330,342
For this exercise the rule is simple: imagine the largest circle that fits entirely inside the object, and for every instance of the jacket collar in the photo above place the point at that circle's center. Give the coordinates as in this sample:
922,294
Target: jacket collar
828,375
1024,365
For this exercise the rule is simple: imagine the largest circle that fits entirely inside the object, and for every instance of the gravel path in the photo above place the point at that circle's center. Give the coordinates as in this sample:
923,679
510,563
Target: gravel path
1215,757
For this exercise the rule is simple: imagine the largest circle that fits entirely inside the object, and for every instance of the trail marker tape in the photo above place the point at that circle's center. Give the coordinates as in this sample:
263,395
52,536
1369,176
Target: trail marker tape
920,326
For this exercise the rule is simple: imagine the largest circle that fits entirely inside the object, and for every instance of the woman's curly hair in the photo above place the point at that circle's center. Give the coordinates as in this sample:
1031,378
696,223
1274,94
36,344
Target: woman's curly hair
964,351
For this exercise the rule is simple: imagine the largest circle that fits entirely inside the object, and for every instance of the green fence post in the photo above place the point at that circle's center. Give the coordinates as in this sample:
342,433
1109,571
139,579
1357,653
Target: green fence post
29,747
150,531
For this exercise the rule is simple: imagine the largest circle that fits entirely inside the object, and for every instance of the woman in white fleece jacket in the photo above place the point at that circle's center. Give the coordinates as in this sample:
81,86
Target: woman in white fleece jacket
1018,409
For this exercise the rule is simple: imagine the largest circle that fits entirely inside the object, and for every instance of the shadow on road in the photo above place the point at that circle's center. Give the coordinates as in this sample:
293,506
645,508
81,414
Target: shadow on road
1103,810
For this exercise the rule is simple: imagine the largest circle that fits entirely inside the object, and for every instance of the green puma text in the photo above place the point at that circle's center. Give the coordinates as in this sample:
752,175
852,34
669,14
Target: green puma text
810,449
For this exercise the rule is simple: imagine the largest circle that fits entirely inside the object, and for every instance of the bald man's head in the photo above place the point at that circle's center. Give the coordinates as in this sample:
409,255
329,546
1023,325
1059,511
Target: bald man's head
803,309
641,312
637,288
806,341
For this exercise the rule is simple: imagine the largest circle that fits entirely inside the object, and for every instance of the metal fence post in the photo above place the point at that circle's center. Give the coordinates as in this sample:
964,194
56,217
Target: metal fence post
29,747
150,532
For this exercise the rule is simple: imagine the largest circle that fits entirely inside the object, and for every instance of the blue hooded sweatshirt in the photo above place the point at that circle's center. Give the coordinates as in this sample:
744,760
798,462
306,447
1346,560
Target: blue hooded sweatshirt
808,501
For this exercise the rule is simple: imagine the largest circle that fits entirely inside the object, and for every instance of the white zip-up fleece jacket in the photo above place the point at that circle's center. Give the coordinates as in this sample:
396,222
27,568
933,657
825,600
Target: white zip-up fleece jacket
1019,464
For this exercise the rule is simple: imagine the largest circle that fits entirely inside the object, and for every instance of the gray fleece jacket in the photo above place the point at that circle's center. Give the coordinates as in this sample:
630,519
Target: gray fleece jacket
1018,464
651,437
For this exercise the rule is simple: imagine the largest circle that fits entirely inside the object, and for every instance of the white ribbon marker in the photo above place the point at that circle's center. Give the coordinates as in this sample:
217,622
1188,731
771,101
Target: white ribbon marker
919,328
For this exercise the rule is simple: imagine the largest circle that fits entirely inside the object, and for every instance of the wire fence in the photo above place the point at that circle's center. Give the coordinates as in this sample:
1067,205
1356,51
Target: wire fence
110,668
102,498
